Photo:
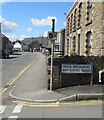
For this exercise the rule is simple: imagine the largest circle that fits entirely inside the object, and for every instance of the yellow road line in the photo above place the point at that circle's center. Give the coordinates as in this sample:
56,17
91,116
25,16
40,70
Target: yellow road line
15,78
58,104
20,74
49,76
3,90
49,67
37,104
42,105
24,102
0,89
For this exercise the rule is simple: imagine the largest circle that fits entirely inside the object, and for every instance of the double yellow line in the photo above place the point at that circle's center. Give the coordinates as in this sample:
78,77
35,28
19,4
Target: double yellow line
37,104
59,104
14,79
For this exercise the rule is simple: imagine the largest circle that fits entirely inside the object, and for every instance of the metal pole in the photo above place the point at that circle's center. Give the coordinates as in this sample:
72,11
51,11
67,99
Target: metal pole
91,74
52,53
60,79
52,56
0,27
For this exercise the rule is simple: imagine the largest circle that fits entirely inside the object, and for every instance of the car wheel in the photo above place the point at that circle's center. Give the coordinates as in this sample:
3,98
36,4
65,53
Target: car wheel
7,56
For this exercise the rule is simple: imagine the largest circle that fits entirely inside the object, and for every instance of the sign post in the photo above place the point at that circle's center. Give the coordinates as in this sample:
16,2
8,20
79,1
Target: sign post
52,52
91,75
52,56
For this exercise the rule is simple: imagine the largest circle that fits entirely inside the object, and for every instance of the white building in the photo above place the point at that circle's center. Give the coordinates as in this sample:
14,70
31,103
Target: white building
60,42
17,46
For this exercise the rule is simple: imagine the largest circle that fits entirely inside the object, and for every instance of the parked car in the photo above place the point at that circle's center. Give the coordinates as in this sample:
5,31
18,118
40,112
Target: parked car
10,51
5,53
0,54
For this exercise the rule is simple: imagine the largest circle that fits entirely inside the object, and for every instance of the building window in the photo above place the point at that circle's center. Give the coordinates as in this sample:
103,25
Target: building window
74,22
88,43
71,23
90,2
67,46
67,29
89,11
79,14
74,44
78,44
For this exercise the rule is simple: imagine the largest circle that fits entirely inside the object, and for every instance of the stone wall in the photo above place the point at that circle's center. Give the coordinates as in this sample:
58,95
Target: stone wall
61,80
82,79
56,73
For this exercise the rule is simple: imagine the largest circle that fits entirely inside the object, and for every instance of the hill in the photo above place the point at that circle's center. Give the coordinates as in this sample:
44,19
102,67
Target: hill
41,40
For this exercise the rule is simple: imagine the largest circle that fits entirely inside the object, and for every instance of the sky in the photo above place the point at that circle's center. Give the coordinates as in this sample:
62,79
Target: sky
32,19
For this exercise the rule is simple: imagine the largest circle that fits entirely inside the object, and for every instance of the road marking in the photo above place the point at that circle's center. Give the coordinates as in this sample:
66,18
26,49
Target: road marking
15,78
59,104
37,104
2,108
12,117
49,67
17,109
3,90
20,73
49,76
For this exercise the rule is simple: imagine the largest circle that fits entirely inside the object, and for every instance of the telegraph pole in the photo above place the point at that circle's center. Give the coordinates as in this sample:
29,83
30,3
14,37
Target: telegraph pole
52,53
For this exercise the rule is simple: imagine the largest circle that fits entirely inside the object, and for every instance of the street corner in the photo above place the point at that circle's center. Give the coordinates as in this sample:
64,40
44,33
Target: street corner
22,99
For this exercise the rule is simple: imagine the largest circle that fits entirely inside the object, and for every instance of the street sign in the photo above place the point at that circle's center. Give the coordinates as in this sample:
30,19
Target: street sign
76,68
52,35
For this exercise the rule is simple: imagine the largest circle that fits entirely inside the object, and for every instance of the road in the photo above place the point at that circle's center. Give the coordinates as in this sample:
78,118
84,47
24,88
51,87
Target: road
12,66
18,109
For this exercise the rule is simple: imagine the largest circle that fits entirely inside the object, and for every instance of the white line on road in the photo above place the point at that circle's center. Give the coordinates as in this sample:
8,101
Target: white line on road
2,108
17,109
12,117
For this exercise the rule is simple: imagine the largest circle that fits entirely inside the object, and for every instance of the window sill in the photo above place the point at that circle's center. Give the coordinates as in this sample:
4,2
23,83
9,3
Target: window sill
74,30
88,23
79,28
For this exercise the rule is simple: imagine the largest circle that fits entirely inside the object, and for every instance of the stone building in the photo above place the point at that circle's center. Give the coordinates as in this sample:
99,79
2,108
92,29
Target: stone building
34,45
85,29
0,38
6,43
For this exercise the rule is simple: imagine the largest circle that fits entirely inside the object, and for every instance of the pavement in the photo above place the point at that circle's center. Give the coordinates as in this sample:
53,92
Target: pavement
32,86
83,92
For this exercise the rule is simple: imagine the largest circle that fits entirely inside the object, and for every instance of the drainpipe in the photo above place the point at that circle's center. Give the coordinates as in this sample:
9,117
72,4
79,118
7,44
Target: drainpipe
100,72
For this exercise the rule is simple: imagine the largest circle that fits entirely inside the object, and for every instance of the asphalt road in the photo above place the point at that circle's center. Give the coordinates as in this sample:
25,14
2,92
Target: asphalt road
12,66
55,112
9,68
12,109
